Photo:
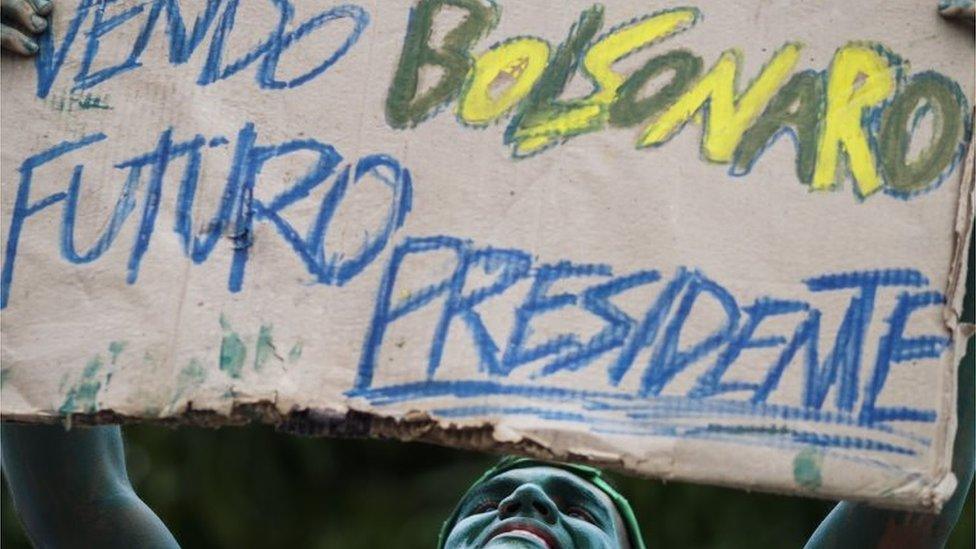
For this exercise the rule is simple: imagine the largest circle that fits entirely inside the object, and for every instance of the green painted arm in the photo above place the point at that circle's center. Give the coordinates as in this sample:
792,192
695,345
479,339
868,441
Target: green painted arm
858,525
70,489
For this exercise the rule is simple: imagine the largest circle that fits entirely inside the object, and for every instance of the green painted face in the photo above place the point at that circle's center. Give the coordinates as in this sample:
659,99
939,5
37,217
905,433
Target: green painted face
537,507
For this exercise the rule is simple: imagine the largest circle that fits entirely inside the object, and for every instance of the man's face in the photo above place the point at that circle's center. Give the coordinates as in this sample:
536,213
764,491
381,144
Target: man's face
538,507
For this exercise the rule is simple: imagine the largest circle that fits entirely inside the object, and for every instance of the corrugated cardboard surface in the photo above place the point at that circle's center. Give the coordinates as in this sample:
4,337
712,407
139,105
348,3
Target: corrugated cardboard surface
572,304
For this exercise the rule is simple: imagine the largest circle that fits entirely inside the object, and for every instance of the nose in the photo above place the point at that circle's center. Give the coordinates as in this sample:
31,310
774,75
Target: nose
528,500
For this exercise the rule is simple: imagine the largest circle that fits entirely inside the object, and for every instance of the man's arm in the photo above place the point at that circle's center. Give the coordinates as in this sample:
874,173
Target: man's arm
71,489
858,525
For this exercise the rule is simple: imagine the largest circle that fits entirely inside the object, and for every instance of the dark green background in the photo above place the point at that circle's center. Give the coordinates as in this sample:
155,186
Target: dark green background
254,487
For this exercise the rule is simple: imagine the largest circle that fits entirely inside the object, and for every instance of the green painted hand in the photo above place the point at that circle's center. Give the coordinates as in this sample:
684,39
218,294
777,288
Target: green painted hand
22,19
964,10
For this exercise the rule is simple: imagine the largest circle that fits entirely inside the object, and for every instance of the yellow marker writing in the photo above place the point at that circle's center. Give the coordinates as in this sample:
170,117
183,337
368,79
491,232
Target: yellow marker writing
500,78
860,77
729,115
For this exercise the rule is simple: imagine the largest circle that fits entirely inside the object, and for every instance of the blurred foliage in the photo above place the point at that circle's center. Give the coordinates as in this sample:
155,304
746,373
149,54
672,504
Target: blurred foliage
254,487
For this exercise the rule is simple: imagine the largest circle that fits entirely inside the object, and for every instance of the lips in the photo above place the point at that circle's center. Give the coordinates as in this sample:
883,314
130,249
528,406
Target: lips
528,529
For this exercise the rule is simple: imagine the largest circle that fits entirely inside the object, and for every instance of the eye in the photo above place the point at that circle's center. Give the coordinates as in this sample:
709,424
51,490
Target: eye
484,507
580,513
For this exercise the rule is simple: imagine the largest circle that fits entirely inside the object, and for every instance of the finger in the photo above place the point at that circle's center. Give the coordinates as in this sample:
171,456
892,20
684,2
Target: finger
23,12
43,7
13,40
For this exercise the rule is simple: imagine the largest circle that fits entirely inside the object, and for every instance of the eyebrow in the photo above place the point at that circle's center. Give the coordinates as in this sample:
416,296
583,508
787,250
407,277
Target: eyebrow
494,489
498,485
564,485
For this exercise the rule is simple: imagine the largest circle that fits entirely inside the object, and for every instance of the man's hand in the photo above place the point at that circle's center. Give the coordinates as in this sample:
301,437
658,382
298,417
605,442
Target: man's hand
964,10
21,19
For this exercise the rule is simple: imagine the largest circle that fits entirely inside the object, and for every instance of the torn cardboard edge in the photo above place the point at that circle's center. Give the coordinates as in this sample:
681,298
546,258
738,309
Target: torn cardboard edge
952,313
959,266
488,437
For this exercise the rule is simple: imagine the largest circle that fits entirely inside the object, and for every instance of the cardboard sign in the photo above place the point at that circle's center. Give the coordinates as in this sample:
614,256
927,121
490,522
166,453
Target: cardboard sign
715,241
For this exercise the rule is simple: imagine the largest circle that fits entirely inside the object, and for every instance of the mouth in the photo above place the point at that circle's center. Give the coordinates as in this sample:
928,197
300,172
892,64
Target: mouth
525,530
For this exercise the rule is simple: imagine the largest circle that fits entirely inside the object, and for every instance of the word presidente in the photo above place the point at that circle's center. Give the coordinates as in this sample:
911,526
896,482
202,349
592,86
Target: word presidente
459,297
862,106
236,213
